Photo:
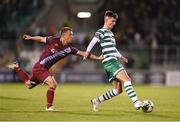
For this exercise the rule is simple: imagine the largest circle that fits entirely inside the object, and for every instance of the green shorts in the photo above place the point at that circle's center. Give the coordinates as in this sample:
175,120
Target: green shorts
112,67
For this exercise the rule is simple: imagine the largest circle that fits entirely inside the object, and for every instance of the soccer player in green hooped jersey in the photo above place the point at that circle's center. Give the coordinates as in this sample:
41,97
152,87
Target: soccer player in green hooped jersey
115,71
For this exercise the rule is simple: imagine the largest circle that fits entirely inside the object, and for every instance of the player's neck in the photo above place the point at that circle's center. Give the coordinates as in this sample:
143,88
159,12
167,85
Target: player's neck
106,27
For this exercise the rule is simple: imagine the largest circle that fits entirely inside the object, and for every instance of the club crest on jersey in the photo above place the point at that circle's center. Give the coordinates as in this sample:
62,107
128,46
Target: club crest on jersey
56,45
67,50
53,50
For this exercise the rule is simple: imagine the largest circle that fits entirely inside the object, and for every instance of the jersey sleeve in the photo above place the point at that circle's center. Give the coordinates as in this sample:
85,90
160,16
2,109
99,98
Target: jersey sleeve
74,50
99,34
91,44
49,39
118,54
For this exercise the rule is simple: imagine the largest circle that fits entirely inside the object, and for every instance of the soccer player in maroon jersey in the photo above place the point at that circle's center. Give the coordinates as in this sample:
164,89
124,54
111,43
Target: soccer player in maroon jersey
54,50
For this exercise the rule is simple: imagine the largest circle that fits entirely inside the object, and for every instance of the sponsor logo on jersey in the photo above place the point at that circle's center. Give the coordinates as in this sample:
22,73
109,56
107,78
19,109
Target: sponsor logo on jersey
56,45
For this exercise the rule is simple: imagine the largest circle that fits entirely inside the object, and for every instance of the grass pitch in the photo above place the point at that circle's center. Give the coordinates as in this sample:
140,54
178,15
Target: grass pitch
73,101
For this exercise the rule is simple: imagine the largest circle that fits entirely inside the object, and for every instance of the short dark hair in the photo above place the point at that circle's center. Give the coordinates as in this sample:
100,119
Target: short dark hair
109,13
65,29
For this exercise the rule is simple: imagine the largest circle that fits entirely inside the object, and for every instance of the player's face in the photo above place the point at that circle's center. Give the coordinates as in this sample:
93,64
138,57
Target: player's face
69,36
111,22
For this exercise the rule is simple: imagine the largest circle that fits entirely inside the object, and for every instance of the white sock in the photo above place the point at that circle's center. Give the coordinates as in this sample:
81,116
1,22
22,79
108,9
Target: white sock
108,95
130,91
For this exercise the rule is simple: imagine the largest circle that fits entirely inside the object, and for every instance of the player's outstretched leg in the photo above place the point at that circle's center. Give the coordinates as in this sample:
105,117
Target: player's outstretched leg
23,75
132,94
123,76
106,96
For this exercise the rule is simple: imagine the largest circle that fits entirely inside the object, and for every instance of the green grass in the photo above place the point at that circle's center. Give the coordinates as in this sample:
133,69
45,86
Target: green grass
73,101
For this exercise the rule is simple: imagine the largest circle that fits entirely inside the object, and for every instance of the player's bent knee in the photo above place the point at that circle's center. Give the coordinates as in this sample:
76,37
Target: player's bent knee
52,84
29,87
32,86
28,84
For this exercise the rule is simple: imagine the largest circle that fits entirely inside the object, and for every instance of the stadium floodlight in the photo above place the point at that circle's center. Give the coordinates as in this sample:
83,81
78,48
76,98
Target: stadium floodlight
83,14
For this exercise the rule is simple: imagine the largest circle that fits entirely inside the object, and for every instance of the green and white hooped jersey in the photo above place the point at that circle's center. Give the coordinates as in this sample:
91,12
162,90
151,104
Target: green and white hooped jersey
108,44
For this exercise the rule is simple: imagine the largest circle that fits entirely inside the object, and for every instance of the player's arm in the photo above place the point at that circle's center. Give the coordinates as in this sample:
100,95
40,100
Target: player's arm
90,56
90,46
121,57
35,38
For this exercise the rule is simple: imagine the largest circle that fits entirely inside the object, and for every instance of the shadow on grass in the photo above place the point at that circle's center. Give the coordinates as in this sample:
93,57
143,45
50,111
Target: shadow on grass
109,113
152,114
82,113
91,115
164,116
11,98
112,113
4,109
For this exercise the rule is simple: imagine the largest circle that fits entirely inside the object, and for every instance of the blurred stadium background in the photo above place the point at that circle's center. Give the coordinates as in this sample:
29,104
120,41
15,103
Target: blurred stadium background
147,32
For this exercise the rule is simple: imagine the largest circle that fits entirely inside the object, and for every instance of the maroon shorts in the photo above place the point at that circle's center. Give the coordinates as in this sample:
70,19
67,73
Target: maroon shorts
39,73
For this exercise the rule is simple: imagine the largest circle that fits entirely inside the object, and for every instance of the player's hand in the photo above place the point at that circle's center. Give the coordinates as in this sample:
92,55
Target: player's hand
101,57
86,55
26,37
124,59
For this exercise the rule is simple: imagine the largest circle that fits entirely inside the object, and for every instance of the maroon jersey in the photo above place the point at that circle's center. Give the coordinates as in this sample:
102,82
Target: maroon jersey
54,51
